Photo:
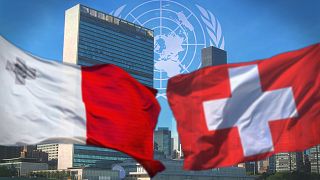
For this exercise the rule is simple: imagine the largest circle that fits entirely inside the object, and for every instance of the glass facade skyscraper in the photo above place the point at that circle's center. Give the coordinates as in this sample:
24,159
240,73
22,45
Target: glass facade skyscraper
162,141
93,37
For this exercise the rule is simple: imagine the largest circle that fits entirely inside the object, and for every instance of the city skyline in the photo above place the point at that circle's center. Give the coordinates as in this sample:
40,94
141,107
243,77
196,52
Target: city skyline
166,120
43,22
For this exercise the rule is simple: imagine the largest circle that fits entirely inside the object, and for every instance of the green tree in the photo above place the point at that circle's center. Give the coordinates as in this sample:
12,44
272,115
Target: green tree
7,172
294,176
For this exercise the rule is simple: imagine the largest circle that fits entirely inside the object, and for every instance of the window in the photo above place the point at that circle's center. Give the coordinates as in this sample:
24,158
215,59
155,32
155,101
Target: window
143,31
130,24
101,16
84,9
93,13
123,23
109,18
116,21
150,33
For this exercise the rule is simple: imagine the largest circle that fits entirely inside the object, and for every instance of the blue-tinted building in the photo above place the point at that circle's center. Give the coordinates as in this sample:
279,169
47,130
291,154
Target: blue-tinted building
212,56
93,37
88,156
162,141
71,156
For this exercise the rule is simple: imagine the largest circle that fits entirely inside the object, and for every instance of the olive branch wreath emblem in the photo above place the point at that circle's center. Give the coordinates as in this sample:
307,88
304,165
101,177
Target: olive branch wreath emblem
213,26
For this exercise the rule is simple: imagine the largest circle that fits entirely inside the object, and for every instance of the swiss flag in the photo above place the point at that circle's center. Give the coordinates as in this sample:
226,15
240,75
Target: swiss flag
248,111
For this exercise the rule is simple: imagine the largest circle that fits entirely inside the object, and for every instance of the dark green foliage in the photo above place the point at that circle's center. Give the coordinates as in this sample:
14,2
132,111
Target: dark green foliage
53,175
7,172
292,176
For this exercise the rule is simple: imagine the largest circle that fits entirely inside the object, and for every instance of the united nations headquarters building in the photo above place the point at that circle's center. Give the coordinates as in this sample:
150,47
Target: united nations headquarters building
92,37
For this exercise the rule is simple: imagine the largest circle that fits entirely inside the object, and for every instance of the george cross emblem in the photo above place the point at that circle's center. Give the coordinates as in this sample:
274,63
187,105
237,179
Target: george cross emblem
21,71
250,110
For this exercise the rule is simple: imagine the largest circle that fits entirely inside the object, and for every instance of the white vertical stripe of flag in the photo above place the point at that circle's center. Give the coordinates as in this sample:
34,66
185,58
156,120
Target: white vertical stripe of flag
47,109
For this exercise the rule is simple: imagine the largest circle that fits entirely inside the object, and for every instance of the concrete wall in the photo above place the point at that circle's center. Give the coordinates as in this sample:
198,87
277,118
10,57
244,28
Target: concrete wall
71,35
65,156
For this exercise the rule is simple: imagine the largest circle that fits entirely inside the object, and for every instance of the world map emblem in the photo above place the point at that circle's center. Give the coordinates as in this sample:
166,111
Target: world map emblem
180,32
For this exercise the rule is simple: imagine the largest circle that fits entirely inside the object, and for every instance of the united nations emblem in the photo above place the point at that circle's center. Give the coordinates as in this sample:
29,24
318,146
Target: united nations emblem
179,32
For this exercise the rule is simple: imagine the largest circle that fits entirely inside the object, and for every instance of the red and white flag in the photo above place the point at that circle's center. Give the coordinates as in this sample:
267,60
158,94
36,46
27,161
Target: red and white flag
248,111
49,102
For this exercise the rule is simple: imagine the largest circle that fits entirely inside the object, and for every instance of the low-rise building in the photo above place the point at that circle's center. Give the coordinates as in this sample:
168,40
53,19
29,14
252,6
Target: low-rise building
78,174
292,161
174,171
24,166
77,156
51,149
7,152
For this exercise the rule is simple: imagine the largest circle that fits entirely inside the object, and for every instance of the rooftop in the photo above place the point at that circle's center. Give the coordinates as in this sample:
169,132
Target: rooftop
115,20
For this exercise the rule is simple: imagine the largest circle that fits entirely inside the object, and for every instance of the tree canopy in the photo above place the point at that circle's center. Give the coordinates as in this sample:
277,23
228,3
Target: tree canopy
294,176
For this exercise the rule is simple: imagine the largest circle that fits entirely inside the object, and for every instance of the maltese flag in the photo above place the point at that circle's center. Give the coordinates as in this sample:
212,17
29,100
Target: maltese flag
248,111
49,102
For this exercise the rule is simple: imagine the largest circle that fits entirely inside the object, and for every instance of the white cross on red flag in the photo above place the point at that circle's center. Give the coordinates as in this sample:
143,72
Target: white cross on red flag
248,111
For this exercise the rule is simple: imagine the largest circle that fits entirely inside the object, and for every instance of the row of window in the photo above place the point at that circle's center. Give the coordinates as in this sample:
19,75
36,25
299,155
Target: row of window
95,161
147,83
116,44
123,28
49,150
110,58
96,158
122,24
109,52
105,31
95,60
92,148
92,61
115,20
96,154
88,164
147,79
99,35
141,79
115,60
47,145
108,38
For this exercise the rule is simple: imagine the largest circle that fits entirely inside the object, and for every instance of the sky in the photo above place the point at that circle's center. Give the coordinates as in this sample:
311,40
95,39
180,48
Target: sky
251,29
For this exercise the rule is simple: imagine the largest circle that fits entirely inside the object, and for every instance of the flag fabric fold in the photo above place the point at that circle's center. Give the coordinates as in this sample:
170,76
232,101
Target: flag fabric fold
48,102
241,112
